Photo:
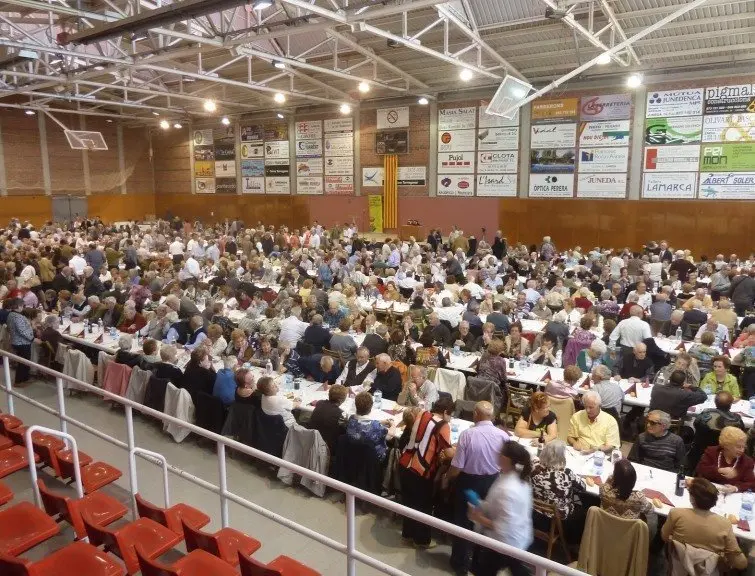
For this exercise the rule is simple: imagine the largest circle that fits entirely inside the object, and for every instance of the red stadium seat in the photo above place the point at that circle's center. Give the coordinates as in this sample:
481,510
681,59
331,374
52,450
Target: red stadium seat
5,443
8,421
50,457
172,517
23,526
153,538
196,563
226,543
18,436
93,477
281,566
77,559
6,494
102,508
14,459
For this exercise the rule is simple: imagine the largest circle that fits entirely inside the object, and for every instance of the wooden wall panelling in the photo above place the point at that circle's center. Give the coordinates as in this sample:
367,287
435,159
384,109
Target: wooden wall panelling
116,207
21,147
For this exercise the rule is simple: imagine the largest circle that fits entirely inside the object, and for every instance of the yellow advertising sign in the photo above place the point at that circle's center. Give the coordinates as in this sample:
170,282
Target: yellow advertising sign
556,108
375,203
204,169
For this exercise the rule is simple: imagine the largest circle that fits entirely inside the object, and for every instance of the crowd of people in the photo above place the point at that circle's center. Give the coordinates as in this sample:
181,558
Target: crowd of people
298,302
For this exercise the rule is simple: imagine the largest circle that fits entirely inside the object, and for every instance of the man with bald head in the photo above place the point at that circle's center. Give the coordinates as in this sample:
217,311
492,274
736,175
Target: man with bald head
475,467
385,377
637,365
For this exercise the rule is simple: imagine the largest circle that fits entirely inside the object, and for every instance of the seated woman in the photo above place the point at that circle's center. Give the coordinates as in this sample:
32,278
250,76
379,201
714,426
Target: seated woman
218,344
595,354
700,528
265,354
399,348
50,333
618,496
547,353
721,379
167,368
418,389
428,354
361,427
492,366
150,352
745,339
683,362
409,328
239,346
131,321
225,382
274,405
537,420
199,375
246,388
727,463
553,482
288,359
124,354
515,345
565,389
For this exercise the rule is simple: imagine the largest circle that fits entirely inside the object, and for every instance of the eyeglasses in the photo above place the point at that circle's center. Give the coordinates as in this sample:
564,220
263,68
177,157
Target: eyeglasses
653,422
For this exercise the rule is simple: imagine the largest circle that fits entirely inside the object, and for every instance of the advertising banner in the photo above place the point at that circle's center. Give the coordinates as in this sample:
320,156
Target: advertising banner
671,103
605,107
672,158
601,160
684,130
277,150
309,185
502,138
452,185
727,158
375,207
339,146
728,186
666,185
457,118
456,163
254,134
309,130
559,108
552,185
729,128
339,125
309,166
204,169
552,160
252,185
553,136
249,150
606,133
496,185
339,185
205,185
204,153
277,185
339,166
412,176
730,99
374,176
277,131
252,168
456,141
225,169
308,148
601,185
225,185
504,162
203,137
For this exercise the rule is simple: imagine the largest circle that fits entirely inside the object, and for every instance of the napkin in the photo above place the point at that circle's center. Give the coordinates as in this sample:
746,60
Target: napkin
394,411
66,330
323,388
99,339
743,525
692,409
650,493
546,376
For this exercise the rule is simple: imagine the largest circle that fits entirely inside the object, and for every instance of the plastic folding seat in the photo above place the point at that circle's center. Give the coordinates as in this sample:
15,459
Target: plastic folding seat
153,538
18,436
14,459
77,559
9,421
51,457
93,477
226,543
5,442
281,566
172,517
23,526
103,509
6,494
196,563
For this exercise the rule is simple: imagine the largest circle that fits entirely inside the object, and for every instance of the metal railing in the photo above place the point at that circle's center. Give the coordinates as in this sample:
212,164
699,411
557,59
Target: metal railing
351,493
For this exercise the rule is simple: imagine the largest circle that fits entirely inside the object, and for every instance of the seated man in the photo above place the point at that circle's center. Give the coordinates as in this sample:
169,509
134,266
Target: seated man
225,382
385,378
328,418
463,338
167,367
657,447
355,371
610,392
592,429
636,366
274,404
676,397
319,368
720,332
708,426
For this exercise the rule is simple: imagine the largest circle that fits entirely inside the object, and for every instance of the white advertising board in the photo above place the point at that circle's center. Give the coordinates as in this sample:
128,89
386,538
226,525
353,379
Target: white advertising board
456,140
671,103
553,135
603,160
457,118
453,185
601,185
669,185
551,185
503,162
456,163
672,158
496,185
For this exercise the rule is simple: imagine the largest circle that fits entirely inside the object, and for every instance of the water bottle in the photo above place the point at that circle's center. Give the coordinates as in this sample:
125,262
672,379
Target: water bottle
679,334
752,404
598,459
457,350
745,511
100,326
661,380
522,364
681,483
268,367
377,399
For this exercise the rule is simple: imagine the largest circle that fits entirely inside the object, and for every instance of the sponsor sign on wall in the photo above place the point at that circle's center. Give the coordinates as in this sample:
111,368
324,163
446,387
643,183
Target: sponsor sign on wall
309,185
606,133
601,185
277,169
501,138
252,185
727,158
339,166
204,153
729,128
457,118
252,134
309,166
728,186
339,145
553,136
225,185
730,99
456,141
225,152
669,185
456,163
277,150
225,169
559,108
453,185
252,150
496,185
552,160
308,148
412,175
502,162
396,117
342,185
276,131
672,158
551,185
603,160
339,125
672,103
205,185
309,130
277,185
373,176
204,169
682,130
252,168
605,107
203,137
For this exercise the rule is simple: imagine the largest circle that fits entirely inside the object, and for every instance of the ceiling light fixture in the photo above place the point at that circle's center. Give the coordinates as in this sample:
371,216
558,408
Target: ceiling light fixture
261,4
281,116
345,109
604,58
225,121
278,64
364,87
177,126
155,113
279,97
423,101
466,75
210,106
164,124
634,80
29,112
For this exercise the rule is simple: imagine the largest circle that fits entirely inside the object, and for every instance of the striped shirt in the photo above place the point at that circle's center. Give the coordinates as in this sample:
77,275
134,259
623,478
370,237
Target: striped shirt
665,452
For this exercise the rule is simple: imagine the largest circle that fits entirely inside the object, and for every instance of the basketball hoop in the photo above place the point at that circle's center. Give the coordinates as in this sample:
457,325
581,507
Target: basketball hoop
85,140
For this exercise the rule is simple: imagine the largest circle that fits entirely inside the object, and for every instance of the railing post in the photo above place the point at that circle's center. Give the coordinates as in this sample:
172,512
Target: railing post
223,481
8,385
351,563
540,571
61,404
131,459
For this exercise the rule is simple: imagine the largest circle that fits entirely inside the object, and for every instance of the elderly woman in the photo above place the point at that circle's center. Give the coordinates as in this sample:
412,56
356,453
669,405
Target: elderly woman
246,388
131,321
225,382
199,375
124,354
239,346
21,336
537,420
618,496
428,354
506,513
698,527
150,350
50,332
558,327
746,338
418,390
363,428
275,405
554,483
399,348
265,354
593,355
727,463
548,353
686,364
167,368
515,345
608,307
216,341
567,387
492,366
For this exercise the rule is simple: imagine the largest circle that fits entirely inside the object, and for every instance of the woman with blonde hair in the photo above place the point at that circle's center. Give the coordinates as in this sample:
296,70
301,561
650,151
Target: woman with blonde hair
727,463
492,365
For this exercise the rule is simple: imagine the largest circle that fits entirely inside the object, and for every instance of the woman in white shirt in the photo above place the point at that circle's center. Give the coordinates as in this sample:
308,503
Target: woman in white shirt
218,344
506,513
274,405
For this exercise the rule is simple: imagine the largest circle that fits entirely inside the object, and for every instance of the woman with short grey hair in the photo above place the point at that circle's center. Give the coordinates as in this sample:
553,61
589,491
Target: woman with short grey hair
554,483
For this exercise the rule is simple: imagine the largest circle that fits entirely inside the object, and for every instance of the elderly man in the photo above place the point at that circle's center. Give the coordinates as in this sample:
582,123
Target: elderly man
631,331
701,297
80,308
341,341
475,467
636,365
377,343
539,312
419,391
355,371
592,429
676,397
64,280
439,331
449,312
292,327
319,368
610,392
657,447
92,284
463,338
725,315
720,331
660,312
385,377
184,307
316,335
719,280
197,332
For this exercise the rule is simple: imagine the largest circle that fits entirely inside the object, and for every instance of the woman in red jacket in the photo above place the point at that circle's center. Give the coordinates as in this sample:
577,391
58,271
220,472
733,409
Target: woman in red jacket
727,464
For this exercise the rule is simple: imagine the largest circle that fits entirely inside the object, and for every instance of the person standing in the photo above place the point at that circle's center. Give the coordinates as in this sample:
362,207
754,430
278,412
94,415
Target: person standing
475,466
21,337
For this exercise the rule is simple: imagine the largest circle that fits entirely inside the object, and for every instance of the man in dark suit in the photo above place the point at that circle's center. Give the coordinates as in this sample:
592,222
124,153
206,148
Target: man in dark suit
440,332
316,335
64,280
385,378
377,343
328,418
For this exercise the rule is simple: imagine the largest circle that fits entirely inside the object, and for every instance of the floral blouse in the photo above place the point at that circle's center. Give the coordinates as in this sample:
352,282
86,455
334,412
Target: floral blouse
557,486
633,508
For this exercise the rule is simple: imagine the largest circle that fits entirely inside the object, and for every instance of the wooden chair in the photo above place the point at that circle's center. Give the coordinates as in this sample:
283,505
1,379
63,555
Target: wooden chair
518,398
676,426
337,356
556,531
420,318
564,409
